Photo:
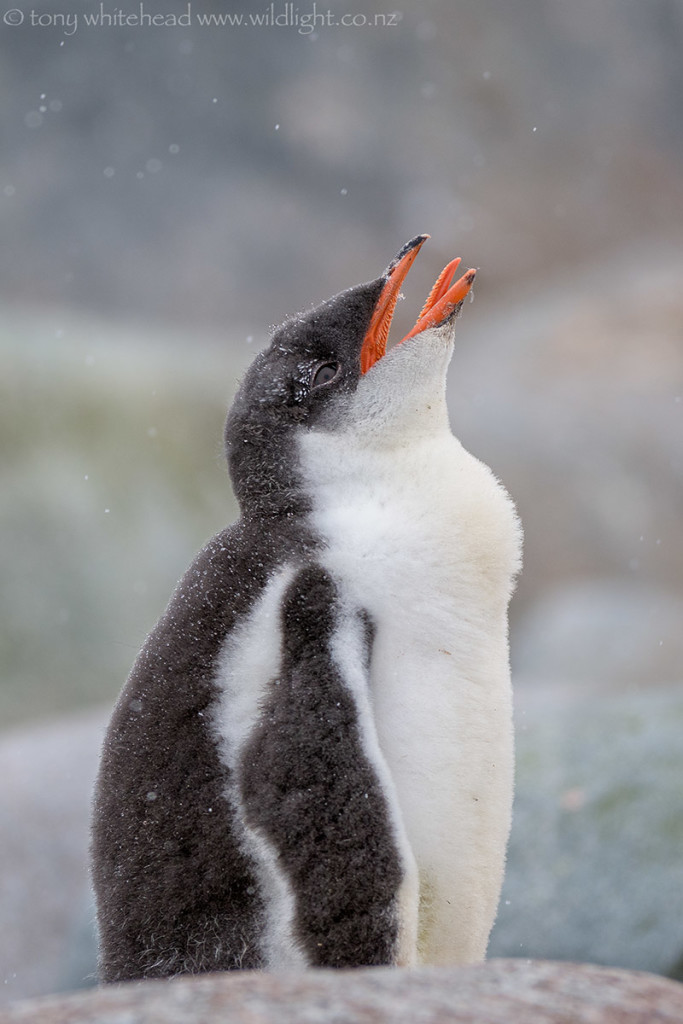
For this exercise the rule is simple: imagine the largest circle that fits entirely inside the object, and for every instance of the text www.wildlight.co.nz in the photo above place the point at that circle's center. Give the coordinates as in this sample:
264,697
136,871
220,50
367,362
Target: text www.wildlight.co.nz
286,15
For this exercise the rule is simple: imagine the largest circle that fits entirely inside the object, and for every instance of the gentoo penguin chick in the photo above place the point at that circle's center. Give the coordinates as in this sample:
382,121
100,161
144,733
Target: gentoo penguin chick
311,763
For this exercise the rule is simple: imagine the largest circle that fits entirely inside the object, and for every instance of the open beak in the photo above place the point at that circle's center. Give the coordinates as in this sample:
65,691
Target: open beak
442,302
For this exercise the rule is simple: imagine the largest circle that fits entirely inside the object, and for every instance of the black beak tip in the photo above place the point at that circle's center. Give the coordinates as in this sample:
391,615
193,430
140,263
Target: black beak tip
414,243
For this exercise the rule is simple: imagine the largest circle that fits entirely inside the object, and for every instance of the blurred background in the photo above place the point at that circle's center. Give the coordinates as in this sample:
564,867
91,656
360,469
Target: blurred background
167,192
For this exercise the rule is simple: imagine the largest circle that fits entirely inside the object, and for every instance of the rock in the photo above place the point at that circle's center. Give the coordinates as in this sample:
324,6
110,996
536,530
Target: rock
612,630
594,869
46,776
499,992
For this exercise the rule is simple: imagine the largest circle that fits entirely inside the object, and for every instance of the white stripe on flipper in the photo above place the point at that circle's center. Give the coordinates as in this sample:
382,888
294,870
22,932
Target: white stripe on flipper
249,662
348,650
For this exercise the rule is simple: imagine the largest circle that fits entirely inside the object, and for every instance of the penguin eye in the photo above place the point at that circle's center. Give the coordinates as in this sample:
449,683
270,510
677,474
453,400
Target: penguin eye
325,373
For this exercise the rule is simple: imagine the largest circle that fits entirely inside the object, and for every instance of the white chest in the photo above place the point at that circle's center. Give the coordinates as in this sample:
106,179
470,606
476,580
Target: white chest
427,542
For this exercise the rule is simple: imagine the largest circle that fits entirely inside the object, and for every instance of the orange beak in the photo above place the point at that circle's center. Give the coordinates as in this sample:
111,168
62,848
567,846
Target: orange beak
441,303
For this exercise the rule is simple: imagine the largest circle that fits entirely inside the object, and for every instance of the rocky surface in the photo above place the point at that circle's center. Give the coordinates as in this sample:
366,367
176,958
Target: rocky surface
46,776
621,632
594,870
499,992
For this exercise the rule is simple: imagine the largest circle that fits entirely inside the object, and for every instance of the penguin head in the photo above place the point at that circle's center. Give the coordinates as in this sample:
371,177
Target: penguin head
326,371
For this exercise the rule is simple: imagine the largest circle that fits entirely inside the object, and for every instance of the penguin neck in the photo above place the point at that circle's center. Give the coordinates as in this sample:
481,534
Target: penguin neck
285,504
343,469
388,430
264,473
273,499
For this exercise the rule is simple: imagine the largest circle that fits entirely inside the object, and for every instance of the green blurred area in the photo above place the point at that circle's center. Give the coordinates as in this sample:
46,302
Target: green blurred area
112,477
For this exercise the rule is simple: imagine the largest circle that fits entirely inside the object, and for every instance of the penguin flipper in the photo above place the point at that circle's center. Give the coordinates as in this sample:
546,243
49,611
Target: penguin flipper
310,790
175,894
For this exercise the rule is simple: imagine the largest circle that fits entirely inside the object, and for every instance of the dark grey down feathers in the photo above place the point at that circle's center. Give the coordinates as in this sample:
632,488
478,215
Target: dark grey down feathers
176,890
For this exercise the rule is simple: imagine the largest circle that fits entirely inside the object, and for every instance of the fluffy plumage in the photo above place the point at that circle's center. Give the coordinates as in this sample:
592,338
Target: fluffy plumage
311,762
